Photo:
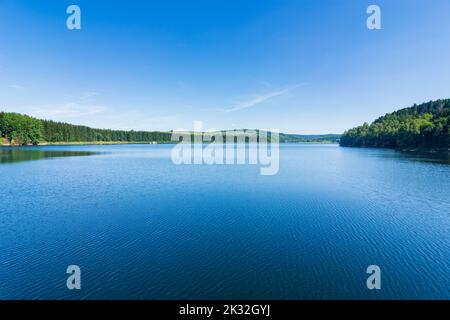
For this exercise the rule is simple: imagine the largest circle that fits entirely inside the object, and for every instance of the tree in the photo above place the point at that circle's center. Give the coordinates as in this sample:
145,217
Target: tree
20,129
420,126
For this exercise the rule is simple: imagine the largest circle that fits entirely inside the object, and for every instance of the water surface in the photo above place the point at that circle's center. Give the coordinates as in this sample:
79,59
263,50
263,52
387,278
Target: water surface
142,228
18,154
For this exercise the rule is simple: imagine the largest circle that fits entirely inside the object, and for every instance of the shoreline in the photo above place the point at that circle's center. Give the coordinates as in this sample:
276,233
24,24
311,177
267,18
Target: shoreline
94,143
80,143
412,150
419,150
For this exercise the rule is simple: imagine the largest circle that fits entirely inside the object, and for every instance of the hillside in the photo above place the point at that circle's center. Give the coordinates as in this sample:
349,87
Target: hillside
18,129
310,138
424,126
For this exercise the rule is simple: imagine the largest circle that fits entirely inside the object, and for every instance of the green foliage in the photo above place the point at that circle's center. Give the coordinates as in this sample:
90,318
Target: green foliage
314,138
24,130
20,129
64,132
425,126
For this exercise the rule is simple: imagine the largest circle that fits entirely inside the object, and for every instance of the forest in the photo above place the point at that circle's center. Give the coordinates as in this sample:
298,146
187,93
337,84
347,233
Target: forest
18,129
63,132
424,126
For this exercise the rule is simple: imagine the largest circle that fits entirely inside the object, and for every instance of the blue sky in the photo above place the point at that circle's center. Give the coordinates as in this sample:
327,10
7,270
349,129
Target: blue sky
298,66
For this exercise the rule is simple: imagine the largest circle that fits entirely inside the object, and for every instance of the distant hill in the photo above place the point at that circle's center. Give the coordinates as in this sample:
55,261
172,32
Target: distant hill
301,138
311,138
18,129
424,126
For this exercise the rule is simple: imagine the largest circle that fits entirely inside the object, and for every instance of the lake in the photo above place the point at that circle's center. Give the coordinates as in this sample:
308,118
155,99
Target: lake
141,227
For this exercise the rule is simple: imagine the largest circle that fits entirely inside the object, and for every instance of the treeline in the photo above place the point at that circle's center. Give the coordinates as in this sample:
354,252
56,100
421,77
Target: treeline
310,138
424,126
63,132
20,129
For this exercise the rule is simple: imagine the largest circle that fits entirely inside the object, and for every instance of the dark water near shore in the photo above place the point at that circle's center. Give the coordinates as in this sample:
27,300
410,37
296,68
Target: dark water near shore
9,155
142,228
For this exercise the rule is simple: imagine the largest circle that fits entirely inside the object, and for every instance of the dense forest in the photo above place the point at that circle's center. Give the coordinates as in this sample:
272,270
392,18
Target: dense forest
18,129
424,126
63,132
23,130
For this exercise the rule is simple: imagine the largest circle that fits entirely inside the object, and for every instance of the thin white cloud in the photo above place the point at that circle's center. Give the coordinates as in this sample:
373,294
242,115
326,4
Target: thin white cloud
136,120
260,99
66,111
97,116
16,86
260,81
88,94
265,83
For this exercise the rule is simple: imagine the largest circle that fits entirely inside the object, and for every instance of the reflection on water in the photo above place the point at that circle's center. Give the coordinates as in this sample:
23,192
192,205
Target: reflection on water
17,155
438,157
432,157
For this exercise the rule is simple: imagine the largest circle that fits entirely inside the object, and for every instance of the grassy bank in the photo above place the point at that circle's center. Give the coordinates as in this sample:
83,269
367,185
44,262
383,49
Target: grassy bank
94,143
5,143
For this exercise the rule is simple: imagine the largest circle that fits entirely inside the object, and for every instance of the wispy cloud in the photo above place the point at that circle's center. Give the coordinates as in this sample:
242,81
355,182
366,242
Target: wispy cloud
88,94
66,111
140,120
261,82
16,87
265,83
97,116
261,99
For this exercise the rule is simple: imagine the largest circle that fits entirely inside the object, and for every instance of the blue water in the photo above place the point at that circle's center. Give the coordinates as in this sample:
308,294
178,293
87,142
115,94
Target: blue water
140,227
